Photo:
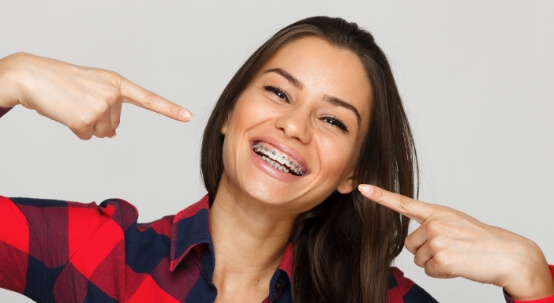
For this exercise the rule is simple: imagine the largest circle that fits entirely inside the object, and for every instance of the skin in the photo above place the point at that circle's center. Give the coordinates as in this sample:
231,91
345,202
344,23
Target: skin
254,208
447,244
87,100
451,244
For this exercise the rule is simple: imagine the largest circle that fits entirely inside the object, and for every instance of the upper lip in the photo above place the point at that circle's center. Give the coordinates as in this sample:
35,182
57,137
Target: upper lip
284,148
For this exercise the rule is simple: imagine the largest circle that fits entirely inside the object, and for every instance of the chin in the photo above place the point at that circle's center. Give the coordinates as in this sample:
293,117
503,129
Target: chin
283,200
275,198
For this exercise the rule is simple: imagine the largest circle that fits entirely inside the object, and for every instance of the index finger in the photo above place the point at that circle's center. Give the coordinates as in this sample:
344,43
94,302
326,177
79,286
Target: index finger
144,98
414,209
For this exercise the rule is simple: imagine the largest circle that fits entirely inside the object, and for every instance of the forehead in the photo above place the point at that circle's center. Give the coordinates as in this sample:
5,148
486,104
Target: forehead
325,69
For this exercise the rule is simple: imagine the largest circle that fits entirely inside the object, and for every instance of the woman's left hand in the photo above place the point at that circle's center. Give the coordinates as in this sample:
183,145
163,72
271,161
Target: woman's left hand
452,244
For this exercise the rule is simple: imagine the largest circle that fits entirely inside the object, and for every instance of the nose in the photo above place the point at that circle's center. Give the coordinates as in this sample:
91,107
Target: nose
295,124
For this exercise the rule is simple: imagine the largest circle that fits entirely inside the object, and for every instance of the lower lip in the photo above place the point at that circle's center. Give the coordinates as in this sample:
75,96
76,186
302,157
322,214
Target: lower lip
270,170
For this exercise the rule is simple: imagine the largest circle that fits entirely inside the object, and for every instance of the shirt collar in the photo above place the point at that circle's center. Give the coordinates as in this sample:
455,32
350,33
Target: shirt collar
286,261
190,232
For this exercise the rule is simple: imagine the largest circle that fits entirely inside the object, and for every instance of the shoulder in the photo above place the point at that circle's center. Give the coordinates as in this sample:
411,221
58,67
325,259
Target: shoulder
4,111
120,211
79,218
404,290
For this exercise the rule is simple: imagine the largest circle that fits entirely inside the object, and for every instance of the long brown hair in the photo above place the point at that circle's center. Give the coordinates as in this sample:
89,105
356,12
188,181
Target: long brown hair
344,247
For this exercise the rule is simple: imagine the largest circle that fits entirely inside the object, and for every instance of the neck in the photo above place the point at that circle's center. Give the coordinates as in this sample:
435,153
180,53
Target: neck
249,241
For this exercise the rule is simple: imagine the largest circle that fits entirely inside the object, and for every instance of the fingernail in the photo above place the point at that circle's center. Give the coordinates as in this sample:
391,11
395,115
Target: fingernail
366,189
185,114
112,134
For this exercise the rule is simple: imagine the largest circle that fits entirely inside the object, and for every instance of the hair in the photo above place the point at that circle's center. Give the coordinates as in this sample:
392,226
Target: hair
343,247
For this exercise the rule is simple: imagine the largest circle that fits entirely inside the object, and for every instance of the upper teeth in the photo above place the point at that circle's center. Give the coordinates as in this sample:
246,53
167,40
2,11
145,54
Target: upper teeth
280,161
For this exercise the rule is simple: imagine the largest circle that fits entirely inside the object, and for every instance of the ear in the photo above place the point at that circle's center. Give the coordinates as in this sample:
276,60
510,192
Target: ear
225,125
347,185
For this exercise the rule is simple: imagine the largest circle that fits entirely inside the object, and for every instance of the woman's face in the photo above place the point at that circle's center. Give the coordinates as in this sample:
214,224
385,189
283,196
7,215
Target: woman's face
295,132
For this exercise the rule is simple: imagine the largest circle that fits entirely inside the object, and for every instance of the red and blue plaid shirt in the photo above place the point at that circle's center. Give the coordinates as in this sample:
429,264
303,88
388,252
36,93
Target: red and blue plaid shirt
59,251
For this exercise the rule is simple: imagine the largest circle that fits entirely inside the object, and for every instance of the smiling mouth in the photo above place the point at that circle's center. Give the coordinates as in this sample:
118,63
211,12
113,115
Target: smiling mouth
278,160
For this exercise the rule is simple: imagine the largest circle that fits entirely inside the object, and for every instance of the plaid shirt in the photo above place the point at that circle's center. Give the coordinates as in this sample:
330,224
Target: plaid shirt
3,111
59,251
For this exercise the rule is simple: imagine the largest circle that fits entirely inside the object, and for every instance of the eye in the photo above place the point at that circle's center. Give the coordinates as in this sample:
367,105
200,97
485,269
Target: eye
335,122
277,92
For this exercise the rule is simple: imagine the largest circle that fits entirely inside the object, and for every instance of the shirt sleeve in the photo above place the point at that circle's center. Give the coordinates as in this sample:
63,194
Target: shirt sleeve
3,111
14,246
404,290
49,245
549,299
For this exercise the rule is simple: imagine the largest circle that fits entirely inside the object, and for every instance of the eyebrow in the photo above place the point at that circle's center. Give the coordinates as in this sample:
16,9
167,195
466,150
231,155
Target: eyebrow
338,102
287,76
333,100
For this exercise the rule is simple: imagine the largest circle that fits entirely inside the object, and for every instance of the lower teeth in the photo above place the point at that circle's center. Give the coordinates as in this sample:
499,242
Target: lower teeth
275,165
294,168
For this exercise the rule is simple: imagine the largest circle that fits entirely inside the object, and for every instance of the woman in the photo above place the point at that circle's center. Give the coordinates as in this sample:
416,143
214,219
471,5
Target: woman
313,113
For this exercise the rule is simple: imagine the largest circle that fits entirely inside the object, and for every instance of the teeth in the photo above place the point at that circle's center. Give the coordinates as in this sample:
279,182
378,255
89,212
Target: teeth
273,155
280,162
276,165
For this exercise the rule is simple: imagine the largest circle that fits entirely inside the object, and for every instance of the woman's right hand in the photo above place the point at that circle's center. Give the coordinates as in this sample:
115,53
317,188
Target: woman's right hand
87,100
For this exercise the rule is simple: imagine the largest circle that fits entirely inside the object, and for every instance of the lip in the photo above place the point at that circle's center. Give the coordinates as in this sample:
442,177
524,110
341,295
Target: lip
285,149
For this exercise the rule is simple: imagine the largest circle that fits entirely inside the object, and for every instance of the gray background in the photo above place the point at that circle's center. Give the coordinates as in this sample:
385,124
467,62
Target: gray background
476,78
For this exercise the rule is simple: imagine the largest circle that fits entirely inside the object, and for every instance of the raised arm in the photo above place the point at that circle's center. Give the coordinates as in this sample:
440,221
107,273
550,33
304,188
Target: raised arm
449,243
87,100
45,243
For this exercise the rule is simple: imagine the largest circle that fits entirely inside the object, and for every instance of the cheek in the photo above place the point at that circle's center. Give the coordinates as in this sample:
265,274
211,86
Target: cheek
338,157
226,157
236,127
244,113
250,111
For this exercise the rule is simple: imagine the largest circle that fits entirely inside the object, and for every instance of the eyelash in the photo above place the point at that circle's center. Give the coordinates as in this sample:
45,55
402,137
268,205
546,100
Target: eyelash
335,122
331,120
278,92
